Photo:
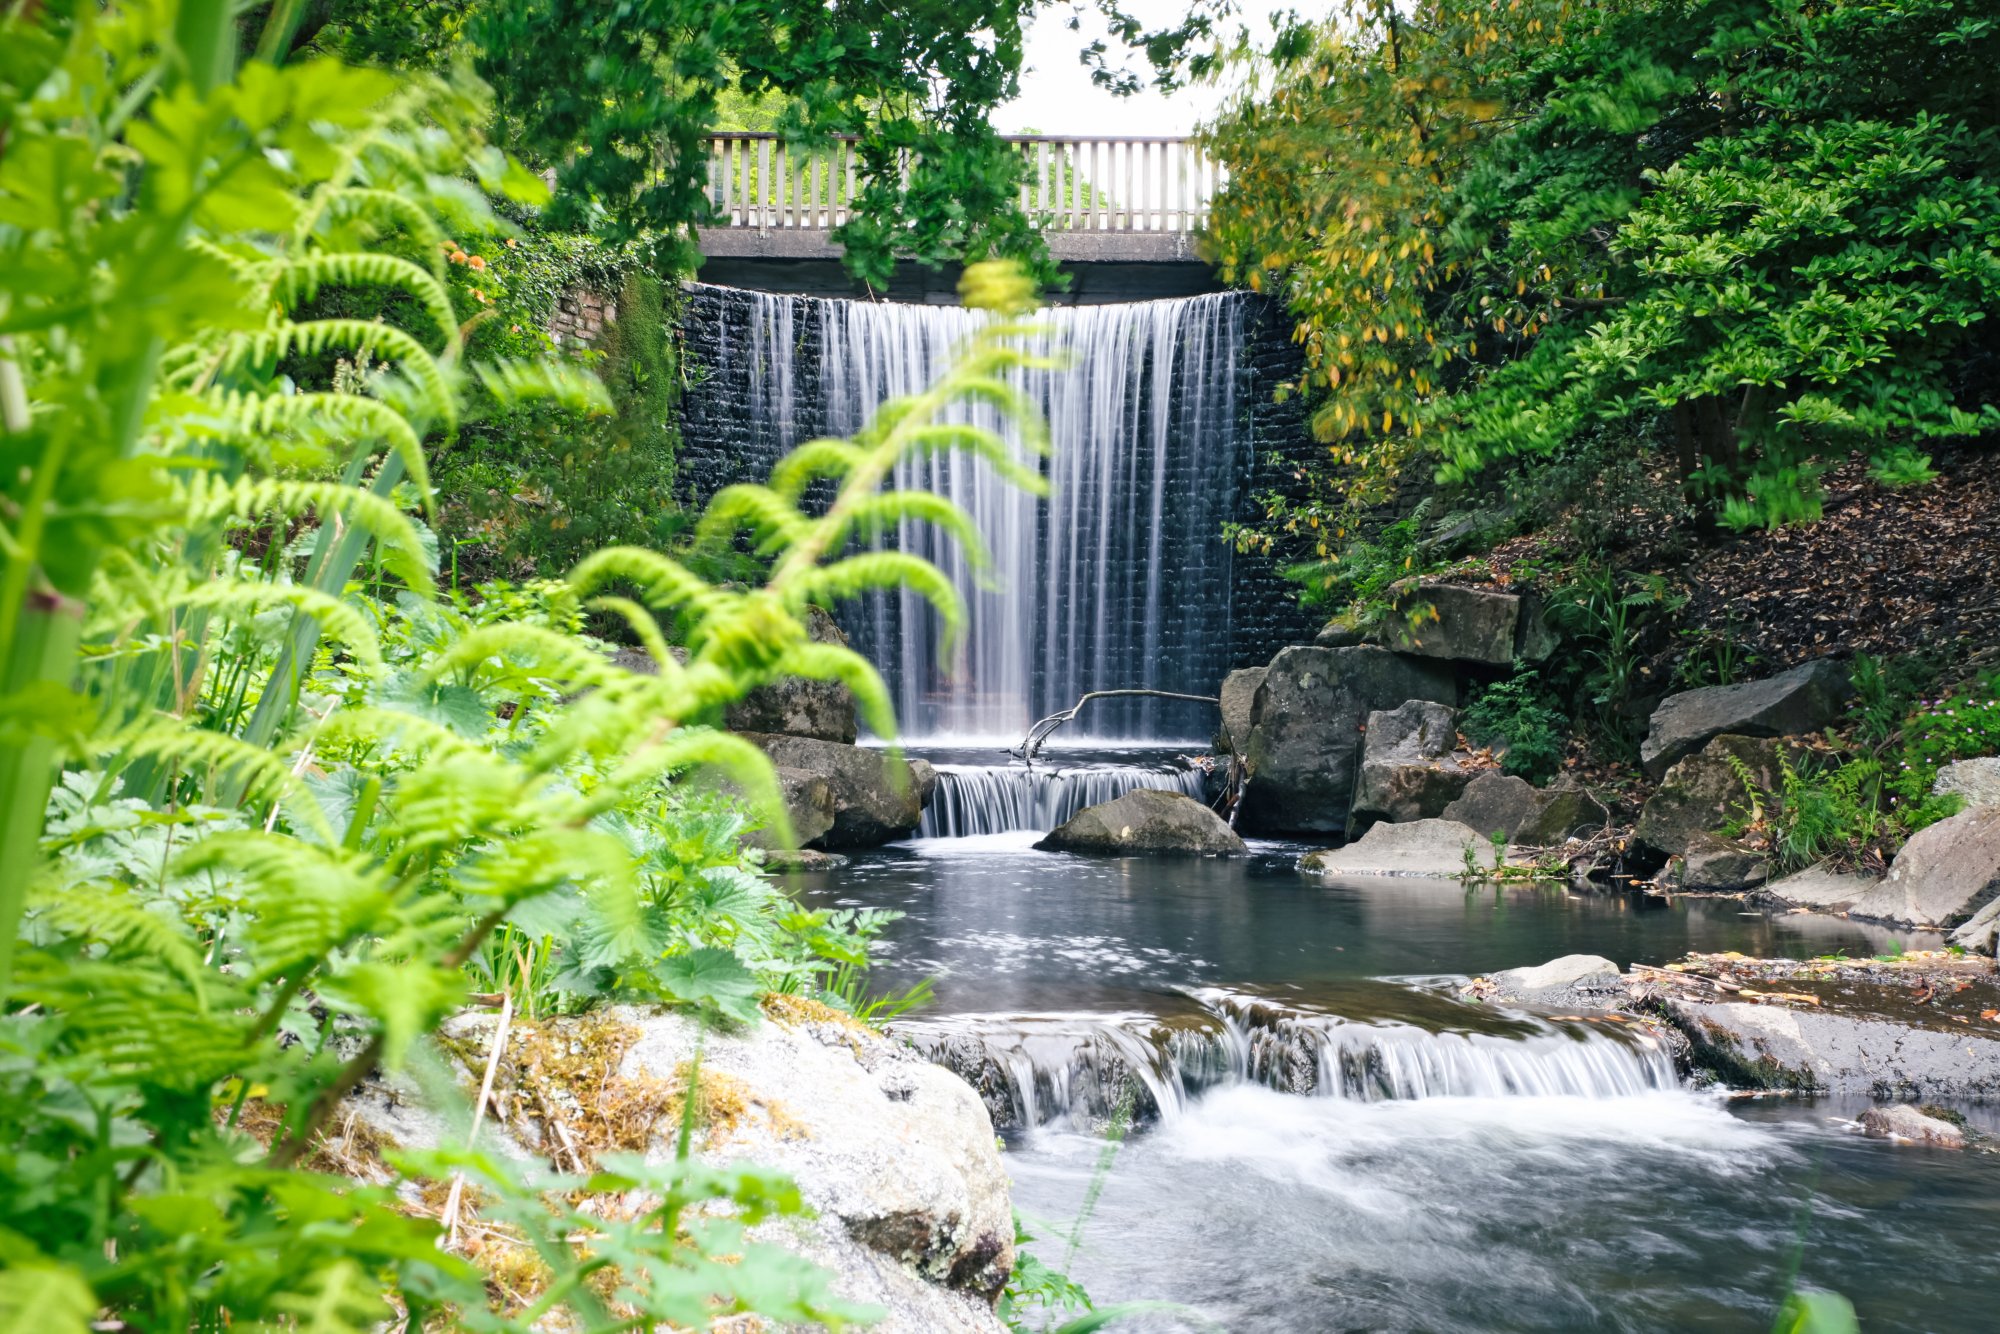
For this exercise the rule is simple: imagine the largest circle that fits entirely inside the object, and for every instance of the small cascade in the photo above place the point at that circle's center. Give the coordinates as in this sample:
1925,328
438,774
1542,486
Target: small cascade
997,799
1121,577
1074,1070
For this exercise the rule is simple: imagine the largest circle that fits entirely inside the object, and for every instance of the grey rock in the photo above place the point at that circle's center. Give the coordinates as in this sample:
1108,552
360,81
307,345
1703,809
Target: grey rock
1460,624
1822,887
1497,803
1339,632
1420,848
1944,875
1703,792
1146,820
1408,770
803,859
794,706
1712,864
875,799
1767,1046
1978,781
1306,740
1804,699
1981,932
1572,978
808,802
1904,1123
1535,640
1239,699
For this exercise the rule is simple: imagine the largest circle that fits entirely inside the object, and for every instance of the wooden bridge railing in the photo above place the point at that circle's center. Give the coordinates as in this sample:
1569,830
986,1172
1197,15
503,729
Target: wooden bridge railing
1130,184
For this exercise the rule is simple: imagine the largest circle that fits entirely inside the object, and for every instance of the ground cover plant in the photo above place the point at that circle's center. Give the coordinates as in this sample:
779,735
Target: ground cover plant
272,808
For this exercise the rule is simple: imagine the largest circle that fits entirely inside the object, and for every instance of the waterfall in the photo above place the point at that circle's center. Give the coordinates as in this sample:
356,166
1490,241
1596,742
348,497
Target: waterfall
1120,578
995,799
1075,1070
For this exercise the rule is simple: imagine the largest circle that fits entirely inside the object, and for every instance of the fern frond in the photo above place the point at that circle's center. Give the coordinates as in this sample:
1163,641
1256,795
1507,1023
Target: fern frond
321,415
811,461
384,341
644,625
664,582
560,656
775,522
833,662
372,726
748,769
206,498
264,773
243,598
293,281
389,210
571,388
1011,402
127,928
868,516
855,575
942,436
304,900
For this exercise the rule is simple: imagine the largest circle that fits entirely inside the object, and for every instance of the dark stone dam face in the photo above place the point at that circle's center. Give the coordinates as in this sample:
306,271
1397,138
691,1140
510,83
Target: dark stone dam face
1163,428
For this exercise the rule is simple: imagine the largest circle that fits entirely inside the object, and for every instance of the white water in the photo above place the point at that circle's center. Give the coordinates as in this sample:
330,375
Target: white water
1119,579
972,800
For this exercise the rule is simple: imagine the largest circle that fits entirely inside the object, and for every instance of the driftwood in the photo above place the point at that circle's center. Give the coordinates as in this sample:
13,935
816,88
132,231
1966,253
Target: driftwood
1039,733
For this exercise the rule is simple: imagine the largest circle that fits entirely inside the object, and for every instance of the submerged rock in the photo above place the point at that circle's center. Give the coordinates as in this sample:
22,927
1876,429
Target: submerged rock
1944,875
1805,699
1420,848
803,859
1408,768
1457,623
1978,781
1146,820
1239,698
1904,1123
875,799
1497,803
1306,741
1810,1051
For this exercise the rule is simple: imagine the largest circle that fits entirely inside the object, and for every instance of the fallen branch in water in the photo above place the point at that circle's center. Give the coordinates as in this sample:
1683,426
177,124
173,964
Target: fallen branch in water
1039,733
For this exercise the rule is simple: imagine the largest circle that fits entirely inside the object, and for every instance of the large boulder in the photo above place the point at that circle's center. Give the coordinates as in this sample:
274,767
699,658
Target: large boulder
1977,781
1815,1051
876,799
1497,803
895,1156
1239,700
1712,864
1409,767
1705,791
1306,740
1943,876
808,802
1805,699
1146,820
795,706
1420,848
1459,624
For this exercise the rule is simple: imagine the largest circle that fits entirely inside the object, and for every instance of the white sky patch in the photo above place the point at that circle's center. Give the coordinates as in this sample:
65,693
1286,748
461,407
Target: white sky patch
1057,96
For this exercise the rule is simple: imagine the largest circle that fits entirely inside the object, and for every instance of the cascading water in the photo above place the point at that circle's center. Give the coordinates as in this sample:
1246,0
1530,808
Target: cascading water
1120,578
975,799
1038,1070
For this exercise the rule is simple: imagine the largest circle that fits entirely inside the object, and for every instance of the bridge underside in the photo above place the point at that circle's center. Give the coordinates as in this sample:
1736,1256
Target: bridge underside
1103,267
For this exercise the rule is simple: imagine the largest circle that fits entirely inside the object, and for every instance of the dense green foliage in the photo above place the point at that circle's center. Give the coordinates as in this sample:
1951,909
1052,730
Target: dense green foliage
1516,718
1762,234
305,805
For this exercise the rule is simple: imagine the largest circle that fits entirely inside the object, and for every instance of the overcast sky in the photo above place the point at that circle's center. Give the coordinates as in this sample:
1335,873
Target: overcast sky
1057,96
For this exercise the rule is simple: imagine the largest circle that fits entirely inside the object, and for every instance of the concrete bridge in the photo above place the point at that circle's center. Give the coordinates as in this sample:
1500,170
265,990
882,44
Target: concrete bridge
1120,215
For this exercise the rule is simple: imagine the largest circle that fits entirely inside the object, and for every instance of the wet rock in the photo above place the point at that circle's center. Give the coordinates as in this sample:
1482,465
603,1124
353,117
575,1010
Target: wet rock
1535,641
1904,1123
1978,781
1805,699
1408,769
1239,698
803,859
1574,979
1943,876
1712,864
1460,624
1767,1046
1704,792
1306,741
1146,820
1521,812
794,706
1821,887
1339,633
875,799
808,801
1420,848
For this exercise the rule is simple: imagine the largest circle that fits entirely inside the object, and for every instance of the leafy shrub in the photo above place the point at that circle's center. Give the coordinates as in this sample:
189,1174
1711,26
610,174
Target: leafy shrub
1359,579
1604,616
1517,714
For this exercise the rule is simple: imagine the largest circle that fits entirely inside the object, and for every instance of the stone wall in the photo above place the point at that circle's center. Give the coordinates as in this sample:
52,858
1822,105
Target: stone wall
581,316
725,438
